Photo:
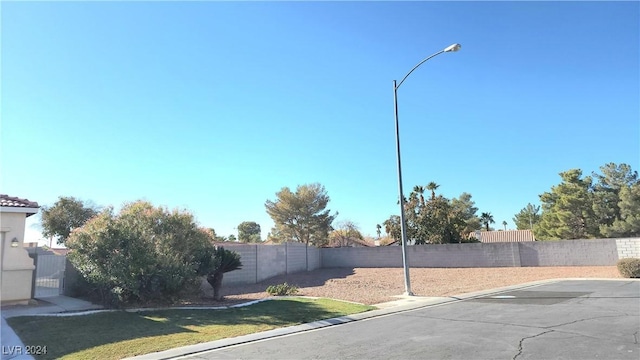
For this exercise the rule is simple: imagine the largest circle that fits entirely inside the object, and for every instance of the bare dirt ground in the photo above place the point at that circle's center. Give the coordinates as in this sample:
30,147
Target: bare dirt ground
374,286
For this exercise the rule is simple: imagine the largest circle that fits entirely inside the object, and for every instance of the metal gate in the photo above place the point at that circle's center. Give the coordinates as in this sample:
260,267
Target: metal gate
49,279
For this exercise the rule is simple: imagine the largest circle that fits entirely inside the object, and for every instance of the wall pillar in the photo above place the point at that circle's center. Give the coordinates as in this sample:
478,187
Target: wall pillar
16,266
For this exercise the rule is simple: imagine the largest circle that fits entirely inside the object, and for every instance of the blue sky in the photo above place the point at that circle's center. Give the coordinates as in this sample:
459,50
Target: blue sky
215,106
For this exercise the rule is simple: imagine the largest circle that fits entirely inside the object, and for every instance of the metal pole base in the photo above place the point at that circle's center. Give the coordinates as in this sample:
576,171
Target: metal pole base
407,293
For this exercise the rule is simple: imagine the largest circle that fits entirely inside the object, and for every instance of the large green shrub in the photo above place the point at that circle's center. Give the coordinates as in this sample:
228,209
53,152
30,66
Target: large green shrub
142,254
629,268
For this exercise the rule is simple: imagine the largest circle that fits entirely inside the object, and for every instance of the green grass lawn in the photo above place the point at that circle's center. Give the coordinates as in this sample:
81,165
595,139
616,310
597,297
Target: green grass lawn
115,335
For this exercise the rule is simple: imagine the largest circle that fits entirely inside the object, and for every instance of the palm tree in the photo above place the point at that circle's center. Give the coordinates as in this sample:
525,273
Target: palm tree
420,191
378,230
432,187
222,262
505,225
486,219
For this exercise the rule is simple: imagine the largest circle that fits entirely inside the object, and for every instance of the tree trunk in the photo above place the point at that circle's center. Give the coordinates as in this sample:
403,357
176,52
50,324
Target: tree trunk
215,281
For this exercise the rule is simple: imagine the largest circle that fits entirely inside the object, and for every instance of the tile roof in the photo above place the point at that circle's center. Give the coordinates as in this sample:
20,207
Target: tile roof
10,201
505,236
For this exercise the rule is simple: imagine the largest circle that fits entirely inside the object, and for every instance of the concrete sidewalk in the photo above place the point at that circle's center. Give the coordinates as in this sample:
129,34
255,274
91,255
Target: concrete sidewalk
49,305
12,347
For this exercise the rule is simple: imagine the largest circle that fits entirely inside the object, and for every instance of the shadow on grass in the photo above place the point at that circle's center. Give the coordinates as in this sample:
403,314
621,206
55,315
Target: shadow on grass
302,279
68,335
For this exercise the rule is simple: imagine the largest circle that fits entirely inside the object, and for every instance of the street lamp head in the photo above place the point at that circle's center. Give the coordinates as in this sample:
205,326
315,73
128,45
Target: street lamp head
453,48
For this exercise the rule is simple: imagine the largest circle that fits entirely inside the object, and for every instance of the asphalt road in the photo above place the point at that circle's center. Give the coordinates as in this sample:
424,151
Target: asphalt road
595,319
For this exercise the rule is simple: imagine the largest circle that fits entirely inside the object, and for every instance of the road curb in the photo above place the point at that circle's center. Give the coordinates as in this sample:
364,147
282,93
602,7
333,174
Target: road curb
404,304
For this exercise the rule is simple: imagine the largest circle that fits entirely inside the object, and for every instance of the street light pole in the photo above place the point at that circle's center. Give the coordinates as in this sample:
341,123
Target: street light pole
403,223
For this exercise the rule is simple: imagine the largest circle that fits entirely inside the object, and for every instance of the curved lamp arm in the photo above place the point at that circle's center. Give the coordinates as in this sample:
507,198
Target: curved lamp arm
403,222
451,48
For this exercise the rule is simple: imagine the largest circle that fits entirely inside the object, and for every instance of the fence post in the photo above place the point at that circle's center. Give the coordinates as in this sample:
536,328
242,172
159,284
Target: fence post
33,277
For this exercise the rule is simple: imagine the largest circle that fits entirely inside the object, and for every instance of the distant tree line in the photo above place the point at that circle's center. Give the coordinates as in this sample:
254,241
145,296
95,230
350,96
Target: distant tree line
604,205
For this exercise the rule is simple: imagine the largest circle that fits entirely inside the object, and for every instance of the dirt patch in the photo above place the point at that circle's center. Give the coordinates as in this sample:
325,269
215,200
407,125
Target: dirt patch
373,286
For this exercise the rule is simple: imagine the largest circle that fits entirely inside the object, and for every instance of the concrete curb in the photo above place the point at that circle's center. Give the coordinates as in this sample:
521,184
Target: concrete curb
54,311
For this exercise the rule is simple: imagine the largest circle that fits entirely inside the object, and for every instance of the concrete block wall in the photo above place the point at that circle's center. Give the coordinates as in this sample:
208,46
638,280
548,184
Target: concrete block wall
296,257
260,262
272,261
246,275
464,255
381,256
315,258
590,252
445,255
628,248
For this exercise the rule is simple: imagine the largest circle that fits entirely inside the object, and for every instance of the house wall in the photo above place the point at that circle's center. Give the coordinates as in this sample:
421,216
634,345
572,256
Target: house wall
15,264
538,253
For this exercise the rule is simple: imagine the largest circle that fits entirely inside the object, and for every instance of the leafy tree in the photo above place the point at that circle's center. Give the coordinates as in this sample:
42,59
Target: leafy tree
214,235
216,264
486,219
143,253
464,208
301,215
231,238
66,214
615,176
607,197
527,217
346,234
437,223
392,227
580,208
437,220
249,232
275,236
628,225
567,210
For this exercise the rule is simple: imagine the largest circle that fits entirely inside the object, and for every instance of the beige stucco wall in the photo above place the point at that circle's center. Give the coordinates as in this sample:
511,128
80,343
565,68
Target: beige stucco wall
17,267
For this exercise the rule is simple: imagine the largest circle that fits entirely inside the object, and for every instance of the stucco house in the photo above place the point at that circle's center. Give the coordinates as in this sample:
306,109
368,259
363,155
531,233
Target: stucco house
16,265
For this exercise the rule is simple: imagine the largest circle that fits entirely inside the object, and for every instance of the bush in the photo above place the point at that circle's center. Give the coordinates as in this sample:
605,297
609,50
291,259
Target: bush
216,264
629,268
282,290
142,254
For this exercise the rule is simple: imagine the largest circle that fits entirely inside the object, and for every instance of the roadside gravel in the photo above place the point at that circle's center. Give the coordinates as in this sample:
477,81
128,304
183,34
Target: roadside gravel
378,285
